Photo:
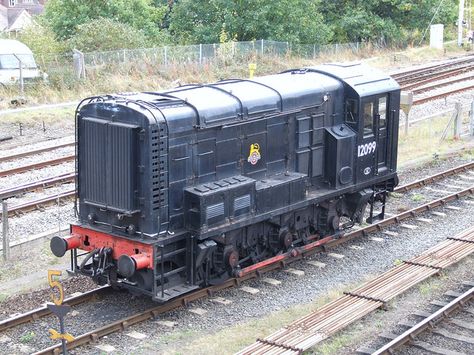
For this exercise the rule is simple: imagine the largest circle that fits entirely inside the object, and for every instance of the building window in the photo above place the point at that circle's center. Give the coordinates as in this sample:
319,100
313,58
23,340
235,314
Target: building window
12,3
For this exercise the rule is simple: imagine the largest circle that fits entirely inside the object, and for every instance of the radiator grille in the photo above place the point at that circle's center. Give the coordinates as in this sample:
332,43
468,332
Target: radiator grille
108,161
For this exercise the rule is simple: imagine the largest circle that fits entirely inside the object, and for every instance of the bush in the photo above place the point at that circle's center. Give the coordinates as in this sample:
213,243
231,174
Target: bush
41,40
105,34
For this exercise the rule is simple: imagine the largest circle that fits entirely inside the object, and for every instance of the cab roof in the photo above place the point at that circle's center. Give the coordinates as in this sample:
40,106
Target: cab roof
364,80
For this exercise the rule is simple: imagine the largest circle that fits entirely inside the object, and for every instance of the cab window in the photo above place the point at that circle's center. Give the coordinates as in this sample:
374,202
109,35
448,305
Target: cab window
368,119
383,112
352,110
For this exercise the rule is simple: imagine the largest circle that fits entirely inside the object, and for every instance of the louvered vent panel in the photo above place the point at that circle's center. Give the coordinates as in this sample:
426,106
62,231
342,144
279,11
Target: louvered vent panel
93,159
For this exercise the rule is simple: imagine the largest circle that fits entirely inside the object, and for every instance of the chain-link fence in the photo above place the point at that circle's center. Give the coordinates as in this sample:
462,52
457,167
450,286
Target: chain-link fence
205,53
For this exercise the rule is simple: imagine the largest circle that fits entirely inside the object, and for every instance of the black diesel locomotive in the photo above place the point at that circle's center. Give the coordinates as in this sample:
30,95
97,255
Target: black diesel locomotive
184,188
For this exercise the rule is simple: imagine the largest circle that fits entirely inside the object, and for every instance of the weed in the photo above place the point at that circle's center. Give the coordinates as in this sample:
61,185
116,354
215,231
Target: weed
397,262
27,337
417,197
3,297
333,345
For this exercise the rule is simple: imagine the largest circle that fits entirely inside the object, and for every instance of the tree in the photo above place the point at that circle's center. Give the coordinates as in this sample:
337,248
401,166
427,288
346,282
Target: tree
201,21
64,16
41,40
105,34
354,20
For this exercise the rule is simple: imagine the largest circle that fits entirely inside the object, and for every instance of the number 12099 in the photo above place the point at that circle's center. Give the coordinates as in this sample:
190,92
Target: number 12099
366,149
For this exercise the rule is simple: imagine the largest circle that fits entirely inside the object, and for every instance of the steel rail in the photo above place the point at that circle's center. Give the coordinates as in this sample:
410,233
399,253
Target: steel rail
45,183
318,325
433,75
412,72
438,77
41,312
426,323
45,201
35,151
442,95
433,178
39,165
250,273
443,84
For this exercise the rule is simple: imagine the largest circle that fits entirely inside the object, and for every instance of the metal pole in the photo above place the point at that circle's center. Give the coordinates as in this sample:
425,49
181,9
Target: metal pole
21,75
262,46
458,121
471,119
5,240
200,53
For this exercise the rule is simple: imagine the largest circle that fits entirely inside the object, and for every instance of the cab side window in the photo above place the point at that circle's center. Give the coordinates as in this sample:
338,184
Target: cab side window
352,112
383,112
368,119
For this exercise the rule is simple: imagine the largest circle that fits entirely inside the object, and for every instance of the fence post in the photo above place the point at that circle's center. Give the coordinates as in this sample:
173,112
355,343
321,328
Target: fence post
200,53
166,54
471,119
5,240
456,113
458,121
79,64
262,46
21,83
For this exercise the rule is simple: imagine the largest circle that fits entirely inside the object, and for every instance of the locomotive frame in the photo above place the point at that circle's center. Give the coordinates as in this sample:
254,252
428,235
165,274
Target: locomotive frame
182,189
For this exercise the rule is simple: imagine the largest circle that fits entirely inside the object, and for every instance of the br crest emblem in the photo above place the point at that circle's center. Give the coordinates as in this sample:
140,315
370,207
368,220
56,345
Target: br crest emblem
254,155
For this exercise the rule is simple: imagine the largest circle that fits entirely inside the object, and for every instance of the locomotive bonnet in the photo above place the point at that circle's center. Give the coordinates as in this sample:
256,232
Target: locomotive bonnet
184,188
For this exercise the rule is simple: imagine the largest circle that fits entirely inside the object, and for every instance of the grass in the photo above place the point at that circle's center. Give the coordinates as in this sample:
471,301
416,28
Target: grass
417,197
423,140
46,115
27,337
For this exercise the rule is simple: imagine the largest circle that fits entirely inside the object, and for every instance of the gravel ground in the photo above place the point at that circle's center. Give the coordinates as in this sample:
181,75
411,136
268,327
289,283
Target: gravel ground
33,132
19,303
35,175
36,222
35,145
37,158
436,106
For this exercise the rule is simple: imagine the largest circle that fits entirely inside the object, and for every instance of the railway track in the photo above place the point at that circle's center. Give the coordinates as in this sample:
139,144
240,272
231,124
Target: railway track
311,329
417,81
36,166
40,203
35,151
430,323
38,185
413,73
278,262
43,311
